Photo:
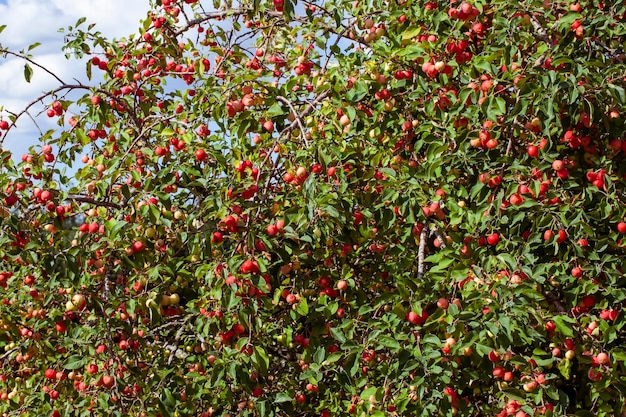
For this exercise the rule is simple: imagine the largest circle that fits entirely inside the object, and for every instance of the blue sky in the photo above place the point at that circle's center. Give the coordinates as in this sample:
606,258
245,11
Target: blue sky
30,21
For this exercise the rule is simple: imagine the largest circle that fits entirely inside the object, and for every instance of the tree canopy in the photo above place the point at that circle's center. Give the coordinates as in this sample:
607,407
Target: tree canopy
323,209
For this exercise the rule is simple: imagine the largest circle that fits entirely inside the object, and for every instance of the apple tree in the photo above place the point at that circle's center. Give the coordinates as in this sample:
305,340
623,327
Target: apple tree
277,208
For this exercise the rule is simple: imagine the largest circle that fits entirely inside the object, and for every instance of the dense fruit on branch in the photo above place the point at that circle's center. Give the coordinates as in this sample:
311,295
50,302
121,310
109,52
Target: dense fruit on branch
282,208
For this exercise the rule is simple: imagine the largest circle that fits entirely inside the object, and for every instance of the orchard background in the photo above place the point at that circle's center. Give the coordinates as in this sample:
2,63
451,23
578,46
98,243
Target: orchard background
323,209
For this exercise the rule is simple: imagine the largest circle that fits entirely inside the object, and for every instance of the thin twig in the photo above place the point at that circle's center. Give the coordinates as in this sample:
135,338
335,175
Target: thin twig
177,337
8,353
211,16
61,88
297,116
25,58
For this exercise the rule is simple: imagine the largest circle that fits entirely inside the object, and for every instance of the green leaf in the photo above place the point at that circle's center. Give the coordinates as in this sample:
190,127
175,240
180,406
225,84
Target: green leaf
75,362
302,308
564,325
337,334
114,226
389,342
275,110
281,397
331,211
499,107
618,92
508,260
350,112
565,368
324,158
164,411
441,265
337,17
334,357
357,93
261,406
520,107
483,66
618,355
261,359
319,355
28,72
368,392
515,394
288,10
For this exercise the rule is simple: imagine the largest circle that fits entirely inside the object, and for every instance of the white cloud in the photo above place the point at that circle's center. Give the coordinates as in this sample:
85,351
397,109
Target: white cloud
13,85
30,21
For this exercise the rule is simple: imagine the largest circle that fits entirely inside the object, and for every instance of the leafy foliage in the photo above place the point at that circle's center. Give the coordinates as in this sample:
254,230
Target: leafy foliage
297,208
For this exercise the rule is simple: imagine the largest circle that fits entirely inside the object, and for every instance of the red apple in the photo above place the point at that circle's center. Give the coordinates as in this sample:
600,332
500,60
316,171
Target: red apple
201,155
108,381
138,246
602,358
268,125
498,372
271,229
548,235
217,237
412,317
493,239
558,165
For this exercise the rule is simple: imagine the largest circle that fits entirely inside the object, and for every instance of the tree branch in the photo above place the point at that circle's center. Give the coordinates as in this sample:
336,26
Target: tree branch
296,115
30,61
421,252
211,16
82,199
552,298
61,88
435,232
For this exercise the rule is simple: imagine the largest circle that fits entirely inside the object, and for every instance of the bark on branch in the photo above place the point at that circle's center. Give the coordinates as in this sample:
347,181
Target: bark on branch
421,253
82,199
